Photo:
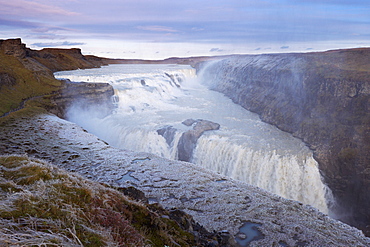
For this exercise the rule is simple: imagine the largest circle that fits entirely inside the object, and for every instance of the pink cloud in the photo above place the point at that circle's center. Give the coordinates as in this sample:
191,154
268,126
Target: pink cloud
26,9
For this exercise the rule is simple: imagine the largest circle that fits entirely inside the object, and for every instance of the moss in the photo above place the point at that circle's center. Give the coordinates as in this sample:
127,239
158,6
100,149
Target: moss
123,231
47,201
47,194
12,161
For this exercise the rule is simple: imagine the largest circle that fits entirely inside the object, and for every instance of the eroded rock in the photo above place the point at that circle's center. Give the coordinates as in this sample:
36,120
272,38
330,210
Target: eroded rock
98,98
168,132
189,138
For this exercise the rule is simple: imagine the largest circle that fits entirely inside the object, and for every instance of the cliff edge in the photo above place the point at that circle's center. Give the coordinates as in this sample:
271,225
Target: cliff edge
27,74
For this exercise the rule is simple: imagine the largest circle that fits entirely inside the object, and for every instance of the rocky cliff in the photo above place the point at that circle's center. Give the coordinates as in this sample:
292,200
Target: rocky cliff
322,98
53,59
26,74
86,96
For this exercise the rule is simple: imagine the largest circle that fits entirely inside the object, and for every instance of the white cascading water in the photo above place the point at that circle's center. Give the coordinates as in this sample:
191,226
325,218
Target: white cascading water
244,148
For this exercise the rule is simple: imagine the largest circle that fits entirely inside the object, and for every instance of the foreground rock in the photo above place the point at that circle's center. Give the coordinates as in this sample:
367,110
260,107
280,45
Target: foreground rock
323,98
217,203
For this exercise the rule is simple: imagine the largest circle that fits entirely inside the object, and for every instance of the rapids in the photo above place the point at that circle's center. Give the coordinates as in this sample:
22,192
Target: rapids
152,97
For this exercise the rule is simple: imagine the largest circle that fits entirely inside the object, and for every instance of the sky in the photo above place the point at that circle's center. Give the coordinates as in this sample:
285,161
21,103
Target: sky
157,29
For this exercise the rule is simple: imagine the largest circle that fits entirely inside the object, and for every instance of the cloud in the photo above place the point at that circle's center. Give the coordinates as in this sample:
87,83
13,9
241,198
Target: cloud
157,29
53,44
49,36
216,50
213,24
23,8
197,29
18,23
46,29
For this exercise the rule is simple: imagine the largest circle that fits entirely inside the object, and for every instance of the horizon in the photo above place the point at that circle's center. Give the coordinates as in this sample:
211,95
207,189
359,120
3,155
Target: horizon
144,29
184,57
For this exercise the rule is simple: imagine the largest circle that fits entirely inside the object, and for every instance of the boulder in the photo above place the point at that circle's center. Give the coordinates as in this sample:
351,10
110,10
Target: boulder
189,138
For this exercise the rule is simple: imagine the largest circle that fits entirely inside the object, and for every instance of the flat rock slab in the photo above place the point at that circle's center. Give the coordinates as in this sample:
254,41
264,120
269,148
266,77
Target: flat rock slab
253,216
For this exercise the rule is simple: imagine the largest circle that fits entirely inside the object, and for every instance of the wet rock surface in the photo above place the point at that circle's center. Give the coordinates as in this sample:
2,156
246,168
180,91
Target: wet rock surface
189,139
168,132
215,202
97,97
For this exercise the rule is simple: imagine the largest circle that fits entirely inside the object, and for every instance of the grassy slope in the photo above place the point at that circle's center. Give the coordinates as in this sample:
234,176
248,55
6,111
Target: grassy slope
27,83
65,59
32,75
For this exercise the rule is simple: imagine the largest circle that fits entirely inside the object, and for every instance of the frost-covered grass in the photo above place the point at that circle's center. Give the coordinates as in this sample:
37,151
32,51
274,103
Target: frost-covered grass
42,205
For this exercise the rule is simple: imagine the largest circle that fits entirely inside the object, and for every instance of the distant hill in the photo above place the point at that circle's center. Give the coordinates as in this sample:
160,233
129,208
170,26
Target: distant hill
26,73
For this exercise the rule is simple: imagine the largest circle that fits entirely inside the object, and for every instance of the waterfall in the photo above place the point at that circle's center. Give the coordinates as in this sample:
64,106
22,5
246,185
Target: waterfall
291,176
154,100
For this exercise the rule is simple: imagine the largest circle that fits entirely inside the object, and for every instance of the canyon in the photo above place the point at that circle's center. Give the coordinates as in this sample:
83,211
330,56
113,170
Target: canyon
322,98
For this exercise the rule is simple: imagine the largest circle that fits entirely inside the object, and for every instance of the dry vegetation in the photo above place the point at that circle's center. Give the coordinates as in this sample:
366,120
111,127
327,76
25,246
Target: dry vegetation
42,205
17,83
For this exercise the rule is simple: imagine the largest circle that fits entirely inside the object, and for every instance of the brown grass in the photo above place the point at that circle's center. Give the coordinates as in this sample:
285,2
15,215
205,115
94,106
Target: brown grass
42,205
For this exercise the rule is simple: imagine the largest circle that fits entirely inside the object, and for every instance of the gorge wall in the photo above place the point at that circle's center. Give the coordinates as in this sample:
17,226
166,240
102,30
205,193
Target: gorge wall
26,74
322,98
85,96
